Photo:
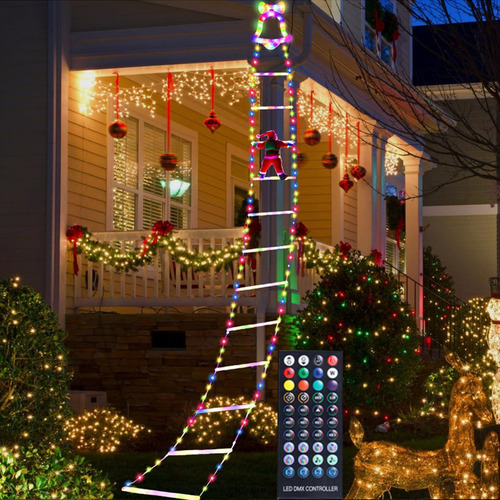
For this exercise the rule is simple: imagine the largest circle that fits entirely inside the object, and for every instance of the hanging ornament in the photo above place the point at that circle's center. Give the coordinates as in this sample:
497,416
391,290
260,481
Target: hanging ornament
168,161
300,155
311,135
330,160
212,122
346,182
117,129
357,171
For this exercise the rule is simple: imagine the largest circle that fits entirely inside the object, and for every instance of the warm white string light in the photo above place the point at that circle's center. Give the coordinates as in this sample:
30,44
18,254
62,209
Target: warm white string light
494,352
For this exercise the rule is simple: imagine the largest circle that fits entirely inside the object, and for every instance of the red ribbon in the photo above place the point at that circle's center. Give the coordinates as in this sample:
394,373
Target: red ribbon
359,143
399,228
213,87
160,228
379,23
170,87
395,36
344,249
377,257
301,233
330,127
346,141
312,109
73,234
117,94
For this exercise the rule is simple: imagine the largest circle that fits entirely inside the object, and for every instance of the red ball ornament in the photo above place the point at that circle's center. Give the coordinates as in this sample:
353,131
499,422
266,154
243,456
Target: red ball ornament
212,122
358,172
329,161
168,161
312,137
346,183
117,129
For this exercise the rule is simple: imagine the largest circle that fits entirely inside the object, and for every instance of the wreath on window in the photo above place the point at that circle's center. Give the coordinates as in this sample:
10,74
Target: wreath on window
391,24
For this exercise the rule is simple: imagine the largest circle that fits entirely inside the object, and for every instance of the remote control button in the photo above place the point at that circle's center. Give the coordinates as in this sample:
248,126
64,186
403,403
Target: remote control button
318,372
303,472
289,372
303,422
289,435
318,397
318,435
288,459
303,459
318,472
288,447
332,447
303,447
318,360
288,397
289,385
289,472
304,410
332,397
289,422
318,447
332,385
303,373
303,397
289,360
289,410
332,410
303,435
318,385
332,373
332,435
303,360
332,422
318,410
318,422
317,460
303,385
332,459
332,360
332,472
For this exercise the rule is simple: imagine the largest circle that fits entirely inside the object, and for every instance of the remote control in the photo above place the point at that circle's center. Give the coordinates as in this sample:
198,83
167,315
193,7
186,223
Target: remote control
310,425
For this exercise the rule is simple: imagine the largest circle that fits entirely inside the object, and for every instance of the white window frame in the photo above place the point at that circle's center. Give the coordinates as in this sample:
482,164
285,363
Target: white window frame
233,151
383,40
176,129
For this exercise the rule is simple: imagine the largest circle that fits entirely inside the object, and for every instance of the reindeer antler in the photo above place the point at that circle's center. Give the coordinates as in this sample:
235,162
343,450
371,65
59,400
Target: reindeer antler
454,360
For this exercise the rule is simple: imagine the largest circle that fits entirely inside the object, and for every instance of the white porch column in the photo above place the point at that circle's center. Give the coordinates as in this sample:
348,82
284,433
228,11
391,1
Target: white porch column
414,169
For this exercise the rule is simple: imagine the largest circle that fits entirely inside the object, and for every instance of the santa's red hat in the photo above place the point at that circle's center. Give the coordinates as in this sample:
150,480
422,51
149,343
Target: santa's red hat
271,135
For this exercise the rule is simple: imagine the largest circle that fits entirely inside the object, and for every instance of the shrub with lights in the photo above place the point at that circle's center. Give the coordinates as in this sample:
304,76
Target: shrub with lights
102,430
357,308
214,429
34,382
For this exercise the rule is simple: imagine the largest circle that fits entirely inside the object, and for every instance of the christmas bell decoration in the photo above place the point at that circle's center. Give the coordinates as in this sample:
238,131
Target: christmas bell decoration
168,161
212,122
330,161
346,183
358,172
312,137
117,129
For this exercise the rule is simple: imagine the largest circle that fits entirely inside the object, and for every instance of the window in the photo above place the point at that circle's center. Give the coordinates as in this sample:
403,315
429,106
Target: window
386,13
143,192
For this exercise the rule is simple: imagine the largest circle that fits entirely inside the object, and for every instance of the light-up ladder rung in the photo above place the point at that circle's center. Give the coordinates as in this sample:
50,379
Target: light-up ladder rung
274,178
237,367
226,408
282,212
158,493
266,249
207,451
272,73
255,108
253,325
263,285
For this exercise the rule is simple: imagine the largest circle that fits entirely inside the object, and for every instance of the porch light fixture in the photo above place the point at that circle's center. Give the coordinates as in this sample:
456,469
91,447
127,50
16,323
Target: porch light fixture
178,187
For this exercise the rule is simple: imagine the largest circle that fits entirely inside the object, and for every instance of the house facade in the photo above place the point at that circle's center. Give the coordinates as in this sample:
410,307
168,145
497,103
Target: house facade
69,63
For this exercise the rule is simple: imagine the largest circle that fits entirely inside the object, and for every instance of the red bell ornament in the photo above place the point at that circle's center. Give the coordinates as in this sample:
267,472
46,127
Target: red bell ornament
358,172
329,161
117,129
212,122
312,137
168,161
346,183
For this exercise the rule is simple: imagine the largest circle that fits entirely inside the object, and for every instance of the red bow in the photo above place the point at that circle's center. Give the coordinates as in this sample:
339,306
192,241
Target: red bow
160,228
344,249
254,228
379,23
377,257
301,230
73,234
399,228
395,36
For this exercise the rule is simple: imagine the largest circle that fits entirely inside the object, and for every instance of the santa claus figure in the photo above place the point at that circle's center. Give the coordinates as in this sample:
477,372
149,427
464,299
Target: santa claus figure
272,157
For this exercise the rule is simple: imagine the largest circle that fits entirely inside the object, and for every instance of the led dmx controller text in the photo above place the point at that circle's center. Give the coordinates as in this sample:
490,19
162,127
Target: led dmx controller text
310,425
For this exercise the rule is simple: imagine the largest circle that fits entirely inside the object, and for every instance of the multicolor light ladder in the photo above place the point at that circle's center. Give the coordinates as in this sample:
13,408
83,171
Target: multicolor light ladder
266,11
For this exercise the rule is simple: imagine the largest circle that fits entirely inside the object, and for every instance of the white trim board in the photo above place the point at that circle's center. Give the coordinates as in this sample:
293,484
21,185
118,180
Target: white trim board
457,210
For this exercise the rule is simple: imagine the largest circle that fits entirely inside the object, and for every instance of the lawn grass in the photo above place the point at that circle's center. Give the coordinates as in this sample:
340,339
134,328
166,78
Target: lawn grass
245,476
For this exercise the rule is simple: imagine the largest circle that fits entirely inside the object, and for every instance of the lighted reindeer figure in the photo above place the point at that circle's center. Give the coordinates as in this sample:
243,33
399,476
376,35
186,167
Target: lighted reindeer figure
447,472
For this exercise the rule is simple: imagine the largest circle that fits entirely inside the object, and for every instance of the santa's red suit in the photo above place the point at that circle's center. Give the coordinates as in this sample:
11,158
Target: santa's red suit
272,157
